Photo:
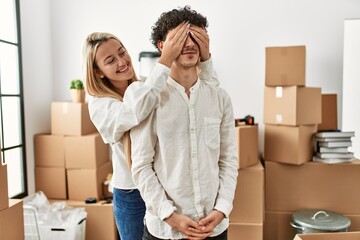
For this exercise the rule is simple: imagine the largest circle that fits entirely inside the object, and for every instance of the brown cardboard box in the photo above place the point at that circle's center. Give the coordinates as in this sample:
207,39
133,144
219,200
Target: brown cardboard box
85,183
285,66
49,150
247,231
313,185
329,236
87,151
277,226
292,106
69,118
284,231
247,142
51,181
288,144
4,192
328,112
12,221
248,204
100,222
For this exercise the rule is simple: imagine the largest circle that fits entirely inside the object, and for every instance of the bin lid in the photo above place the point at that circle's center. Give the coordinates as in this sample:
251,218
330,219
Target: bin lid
321,219
149,55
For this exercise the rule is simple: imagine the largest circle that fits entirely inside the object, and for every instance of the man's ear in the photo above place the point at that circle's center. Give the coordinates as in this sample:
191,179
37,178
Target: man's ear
160,45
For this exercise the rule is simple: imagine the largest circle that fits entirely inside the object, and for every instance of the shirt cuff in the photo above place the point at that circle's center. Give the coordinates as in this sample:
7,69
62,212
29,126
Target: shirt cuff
223,206
165,210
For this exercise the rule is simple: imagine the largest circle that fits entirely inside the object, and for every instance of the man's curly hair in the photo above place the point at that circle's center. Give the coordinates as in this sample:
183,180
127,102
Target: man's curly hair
171,19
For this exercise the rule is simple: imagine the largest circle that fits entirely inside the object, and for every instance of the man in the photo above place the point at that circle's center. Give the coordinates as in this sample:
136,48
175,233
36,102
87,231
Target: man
184,158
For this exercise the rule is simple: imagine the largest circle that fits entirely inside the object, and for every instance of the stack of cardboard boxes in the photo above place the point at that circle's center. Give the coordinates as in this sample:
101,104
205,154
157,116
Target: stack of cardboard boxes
292,114
247,216
72,163
11,210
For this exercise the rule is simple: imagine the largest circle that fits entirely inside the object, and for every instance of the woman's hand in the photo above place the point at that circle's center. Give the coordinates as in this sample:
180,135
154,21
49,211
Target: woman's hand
202,38
173,44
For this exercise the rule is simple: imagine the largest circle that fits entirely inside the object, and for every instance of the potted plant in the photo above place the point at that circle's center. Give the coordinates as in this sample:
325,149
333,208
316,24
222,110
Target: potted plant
77,91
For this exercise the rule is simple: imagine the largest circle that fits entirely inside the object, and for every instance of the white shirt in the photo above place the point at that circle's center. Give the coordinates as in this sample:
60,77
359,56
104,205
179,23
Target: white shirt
113,118
184,157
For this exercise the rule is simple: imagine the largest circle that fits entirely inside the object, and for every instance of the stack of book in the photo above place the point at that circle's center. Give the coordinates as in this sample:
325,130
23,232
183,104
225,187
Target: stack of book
332,146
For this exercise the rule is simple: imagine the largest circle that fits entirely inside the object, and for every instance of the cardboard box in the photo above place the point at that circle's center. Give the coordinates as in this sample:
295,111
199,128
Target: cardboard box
51,181
288,144
329,236
12,221
4,191
87,151
85,183
277,226
284,231
285,66
247,142
49,150
292,106
69,118
248,231
248,204
100,222
328,112
313,185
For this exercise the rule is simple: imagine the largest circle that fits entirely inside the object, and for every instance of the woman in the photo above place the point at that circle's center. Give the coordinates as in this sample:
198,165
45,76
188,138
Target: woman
119,102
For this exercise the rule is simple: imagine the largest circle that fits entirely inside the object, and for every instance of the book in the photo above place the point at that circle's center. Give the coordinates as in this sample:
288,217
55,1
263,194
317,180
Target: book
331,160
332,150
335,144
333,134
335,155
332,139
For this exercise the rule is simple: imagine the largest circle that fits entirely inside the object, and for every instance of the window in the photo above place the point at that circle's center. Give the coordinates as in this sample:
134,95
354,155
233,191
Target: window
11,99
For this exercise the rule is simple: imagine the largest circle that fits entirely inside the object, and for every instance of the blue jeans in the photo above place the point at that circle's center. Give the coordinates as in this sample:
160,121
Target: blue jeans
129,212
148,236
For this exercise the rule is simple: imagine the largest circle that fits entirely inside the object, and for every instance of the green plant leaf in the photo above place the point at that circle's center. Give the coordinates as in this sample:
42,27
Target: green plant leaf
76,84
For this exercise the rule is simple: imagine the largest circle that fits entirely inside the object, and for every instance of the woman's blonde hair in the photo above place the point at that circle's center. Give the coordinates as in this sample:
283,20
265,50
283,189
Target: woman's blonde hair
102,87
94,84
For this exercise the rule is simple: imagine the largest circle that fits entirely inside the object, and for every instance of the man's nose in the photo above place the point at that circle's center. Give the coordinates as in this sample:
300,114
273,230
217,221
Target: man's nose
189,41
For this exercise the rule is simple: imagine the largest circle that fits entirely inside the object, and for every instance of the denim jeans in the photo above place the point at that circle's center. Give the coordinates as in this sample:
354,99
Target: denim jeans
148,236
129,212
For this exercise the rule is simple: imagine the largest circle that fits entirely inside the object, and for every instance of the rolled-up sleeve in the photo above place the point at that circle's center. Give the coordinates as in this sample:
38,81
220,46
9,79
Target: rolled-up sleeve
208,73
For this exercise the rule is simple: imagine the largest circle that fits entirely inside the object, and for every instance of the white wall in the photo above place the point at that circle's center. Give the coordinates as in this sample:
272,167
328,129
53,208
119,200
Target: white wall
37,74
351,82
239,32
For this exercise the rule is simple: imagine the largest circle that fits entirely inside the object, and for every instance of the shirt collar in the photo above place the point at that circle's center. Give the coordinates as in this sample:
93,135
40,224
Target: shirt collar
179,87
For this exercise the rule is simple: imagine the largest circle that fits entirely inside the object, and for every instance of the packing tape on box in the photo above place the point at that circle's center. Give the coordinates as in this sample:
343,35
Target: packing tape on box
279,92
278,118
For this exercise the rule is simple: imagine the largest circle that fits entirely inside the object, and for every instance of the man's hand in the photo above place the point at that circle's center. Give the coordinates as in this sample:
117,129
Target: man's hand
202,38
173,44
211,221
191,229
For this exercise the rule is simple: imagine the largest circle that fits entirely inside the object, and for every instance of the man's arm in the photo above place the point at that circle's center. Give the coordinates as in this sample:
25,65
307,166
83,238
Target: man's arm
143,143
228,164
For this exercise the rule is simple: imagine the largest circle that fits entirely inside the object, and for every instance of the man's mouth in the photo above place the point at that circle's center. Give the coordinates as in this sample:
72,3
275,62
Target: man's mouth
189,52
